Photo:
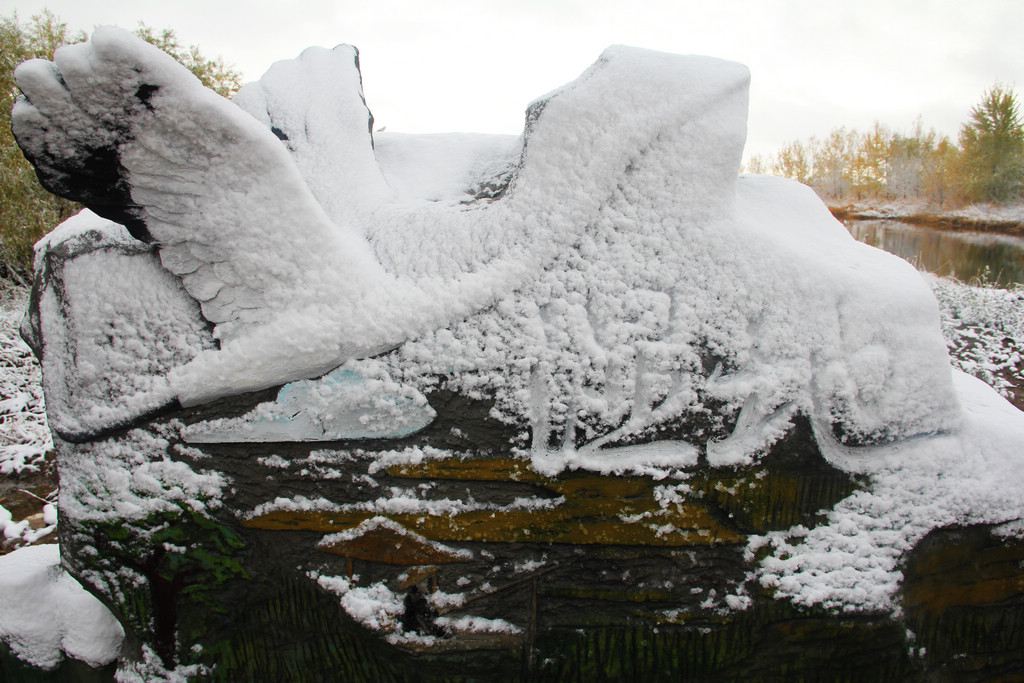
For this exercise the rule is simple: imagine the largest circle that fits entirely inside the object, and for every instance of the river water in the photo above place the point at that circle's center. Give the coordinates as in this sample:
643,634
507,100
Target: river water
967,256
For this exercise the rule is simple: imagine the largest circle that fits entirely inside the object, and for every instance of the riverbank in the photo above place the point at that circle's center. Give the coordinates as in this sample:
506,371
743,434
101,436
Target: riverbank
1006,219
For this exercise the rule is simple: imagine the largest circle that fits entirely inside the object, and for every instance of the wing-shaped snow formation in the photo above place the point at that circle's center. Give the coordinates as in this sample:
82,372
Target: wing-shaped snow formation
315,104
122,127
117,124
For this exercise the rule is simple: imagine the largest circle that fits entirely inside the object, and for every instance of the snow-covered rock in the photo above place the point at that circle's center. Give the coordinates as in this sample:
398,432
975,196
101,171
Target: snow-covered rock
487,337
616,282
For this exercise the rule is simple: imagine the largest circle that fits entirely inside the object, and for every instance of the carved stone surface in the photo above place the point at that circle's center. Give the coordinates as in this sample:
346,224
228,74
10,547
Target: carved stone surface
578,406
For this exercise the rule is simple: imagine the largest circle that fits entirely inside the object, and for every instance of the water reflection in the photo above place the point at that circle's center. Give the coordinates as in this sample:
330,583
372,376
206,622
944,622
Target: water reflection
963,255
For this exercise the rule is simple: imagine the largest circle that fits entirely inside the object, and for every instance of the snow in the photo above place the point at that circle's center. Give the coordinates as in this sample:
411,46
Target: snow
150,669
607,280
130,477
984,331
257,267
24,436
852,561
22,531
801,317
1010,212
380,609
296,504
376,606
45,613
609,332
411,455
584,298
380,522
113,323
401,500
478,625
443,167
292,293
315,104
658,460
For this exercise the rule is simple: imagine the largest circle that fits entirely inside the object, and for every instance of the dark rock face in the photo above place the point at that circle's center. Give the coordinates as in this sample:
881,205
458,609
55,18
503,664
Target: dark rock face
963,598
546,573
585,594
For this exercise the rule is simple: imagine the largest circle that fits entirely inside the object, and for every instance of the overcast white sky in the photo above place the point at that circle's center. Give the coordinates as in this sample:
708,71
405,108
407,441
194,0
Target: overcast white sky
454,65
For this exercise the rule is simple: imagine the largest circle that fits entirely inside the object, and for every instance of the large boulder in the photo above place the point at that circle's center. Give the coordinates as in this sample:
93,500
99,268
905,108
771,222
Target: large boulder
334,401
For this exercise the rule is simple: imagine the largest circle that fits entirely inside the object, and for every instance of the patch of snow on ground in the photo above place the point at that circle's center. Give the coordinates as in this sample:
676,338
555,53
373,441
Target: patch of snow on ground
992,212
45,613
24,435
22,532
905,208
984,331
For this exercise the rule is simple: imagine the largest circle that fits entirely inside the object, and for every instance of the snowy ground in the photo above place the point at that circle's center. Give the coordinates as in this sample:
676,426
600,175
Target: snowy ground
24,437
984,331
27,476
1011,215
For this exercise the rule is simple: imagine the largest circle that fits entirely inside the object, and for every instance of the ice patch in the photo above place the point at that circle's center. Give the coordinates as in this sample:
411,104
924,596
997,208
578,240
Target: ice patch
359,400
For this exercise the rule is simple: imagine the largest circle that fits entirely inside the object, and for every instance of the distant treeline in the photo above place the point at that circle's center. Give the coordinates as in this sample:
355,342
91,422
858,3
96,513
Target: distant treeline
986,164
